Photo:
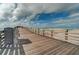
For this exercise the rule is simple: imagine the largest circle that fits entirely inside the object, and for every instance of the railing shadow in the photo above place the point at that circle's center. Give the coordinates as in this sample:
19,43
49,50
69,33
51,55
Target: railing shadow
22,42
11,49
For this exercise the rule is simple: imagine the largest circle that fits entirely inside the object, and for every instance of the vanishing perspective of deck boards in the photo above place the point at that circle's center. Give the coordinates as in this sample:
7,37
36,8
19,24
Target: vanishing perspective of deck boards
46,46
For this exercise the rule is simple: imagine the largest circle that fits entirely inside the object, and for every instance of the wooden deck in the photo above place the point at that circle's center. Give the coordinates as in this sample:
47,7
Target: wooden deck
45,46
11,49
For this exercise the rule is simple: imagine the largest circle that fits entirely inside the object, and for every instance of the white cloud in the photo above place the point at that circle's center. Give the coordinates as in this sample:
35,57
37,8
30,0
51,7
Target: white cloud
12,14
68,22
30,10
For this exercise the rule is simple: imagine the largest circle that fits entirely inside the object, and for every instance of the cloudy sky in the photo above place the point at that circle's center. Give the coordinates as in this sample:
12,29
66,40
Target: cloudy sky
57,15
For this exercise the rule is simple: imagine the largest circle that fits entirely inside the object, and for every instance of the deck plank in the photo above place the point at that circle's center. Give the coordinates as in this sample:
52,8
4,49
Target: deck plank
42,45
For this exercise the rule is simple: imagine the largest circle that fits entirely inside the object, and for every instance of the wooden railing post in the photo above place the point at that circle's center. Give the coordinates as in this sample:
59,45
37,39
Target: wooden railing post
38,31
43,32
31,29
0,39
35,31
51,33
66,34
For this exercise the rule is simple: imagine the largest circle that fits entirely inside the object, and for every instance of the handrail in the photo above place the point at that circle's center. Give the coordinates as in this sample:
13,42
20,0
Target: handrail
45,32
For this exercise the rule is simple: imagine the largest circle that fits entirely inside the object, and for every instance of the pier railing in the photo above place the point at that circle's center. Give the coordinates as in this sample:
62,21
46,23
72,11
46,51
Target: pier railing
71,36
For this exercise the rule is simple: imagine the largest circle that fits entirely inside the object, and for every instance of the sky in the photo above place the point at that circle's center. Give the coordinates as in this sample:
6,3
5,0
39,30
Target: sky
41,15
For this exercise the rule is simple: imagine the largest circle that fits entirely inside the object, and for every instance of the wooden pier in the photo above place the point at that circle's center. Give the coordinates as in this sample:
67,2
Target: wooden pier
29,43
42,45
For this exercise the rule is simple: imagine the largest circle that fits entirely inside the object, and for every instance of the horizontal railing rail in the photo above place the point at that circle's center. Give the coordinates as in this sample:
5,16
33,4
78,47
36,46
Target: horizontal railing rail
63,34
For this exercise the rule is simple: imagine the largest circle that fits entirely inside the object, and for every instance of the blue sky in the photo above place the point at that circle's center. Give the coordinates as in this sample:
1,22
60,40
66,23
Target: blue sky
59,19
55,15
48,18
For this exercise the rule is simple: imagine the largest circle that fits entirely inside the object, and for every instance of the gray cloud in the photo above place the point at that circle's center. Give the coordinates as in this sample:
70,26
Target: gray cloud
17,14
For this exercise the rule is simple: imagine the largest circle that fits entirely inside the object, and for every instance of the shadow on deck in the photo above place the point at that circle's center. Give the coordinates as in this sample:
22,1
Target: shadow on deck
11,49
